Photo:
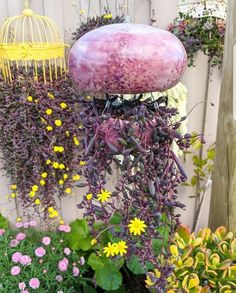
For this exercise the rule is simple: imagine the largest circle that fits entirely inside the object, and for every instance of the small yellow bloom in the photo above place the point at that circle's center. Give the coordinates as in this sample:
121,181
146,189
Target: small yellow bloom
35,188
58,122
50,209
110,249
55,165
44,175
65,176
63,105
137,226
89,196
76,141
29,99
42,182
51,96
67,133
48,162
13,187
32,193
49,128
82,11
37,201
107,16
13,195
53,214
76,177
122,247
61,222
104,195
36,101
61,182
62,166
94,241
151,277
48,111
82,163
18,219
68,190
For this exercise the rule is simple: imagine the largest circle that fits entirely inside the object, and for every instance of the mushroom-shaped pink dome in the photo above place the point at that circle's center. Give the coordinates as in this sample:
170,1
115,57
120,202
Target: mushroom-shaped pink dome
127,59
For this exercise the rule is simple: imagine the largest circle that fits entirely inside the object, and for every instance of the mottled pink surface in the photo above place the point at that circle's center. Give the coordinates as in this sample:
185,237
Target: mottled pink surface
127,59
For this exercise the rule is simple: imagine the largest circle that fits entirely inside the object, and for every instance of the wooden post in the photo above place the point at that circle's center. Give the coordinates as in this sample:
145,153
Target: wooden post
223,199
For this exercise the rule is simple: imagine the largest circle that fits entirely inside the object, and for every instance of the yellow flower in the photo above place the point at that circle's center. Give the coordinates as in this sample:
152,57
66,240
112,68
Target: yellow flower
62,166
104,195
36,101
107,16
44,175
58,123
63,105
53,214
13,195
48,162
49,128
110,249
89,196
35,188
55,165
65,176
151,277
82,163
61,182
137,226
32,193
68,190
61,222
67,133
94,241
50,209
76,141
18,219
13,187
122,247
76,177
42,182
48,111
29,99
82,11
37,201
51,96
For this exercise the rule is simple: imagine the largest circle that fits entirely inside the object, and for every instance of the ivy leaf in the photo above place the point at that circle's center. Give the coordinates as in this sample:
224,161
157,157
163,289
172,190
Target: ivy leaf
135,265
79,237
108,277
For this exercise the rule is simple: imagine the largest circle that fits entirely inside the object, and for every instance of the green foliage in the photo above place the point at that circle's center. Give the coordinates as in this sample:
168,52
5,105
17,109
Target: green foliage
4,223
205,262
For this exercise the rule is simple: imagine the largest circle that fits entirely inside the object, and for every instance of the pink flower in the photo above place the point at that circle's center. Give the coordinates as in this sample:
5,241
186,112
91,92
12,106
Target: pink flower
16,257
22,286
25,291
75,272
59,278
82,261
25,260
64,228
34,283
2,231
32,223
63,264
40,252
26,225
15,270
20,236
46,241
19,225
14,243
67,251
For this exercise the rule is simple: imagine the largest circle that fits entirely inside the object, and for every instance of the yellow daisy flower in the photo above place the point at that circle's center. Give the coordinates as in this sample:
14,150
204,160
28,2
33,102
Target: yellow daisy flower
37,201
13,195
44,175
49,128
107,16
136,226
48,111
62,166
68,190
110,249
32,193
89,196
63,105
76,177
104,195
13,187
94,241
18,219
122,247
61,182
58,122
65,176
48,162
42,182
76,141
50,209
55,165
35,188
29,99
82,163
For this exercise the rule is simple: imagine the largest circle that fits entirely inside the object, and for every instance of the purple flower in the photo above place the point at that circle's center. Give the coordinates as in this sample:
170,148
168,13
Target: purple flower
16,257
40,252
25,260
46,241
34,283
20,236
75,272
15,270
82,261
59,278
14,243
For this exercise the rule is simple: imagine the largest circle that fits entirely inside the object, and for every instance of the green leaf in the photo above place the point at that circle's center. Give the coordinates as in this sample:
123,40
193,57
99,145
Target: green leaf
4,224
95,261
120,290
194,180
108,277
159,244
79,237
135,265
89,289
116,219
211,153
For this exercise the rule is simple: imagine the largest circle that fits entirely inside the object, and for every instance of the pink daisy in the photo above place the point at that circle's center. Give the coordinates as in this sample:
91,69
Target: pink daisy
46,241
34,283
15,270
22,286
67,251
75,272
16,257
20,236
63,264
40,252
25,260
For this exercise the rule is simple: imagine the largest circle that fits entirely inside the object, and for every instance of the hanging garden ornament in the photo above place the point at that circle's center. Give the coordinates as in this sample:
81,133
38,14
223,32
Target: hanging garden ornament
31,41
203,8
127,59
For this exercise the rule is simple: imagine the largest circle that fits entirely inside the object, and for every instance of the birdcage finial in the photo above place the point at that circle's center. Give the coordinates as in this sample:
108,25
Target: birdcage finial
26,4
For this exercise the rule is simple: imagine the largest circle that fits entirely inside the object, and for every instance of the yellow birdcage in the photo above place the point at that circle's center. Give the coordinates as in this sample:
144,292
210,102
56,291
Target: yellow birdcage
31,41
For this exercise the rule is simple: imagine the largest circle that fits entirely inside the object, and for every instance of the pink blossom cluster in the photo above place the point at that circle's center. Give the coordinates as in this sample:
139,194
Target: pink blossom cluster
2,232
26,225
19,237
24,260
64,228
